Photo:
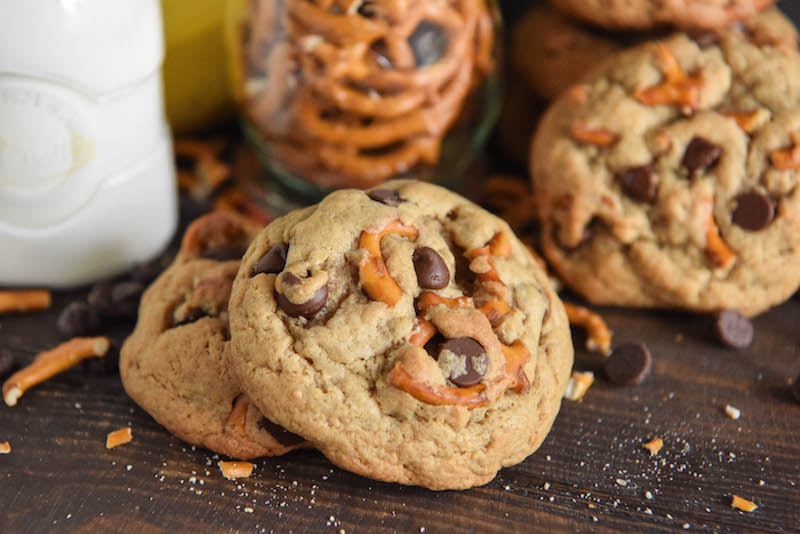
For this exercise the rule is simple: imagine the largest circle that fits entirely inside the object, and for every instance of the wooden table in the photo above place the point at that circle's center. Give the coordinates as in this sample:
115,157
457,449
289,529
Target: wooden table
591,474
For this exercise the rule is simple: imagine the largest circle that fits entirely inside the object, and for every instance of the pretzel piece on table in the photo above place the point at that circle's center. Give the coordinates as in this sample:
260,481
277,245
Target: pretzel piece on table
23,300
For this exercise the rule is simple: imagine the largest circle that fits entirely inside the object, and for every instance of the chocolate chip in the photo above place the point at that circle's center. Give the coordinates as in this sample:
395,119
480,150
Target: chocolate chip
225,252
704,39
432,272
78,320
125,297
390,197
146,271
638,183
191,316
795,388
733,329
700,156
283,436
273,261
628,364
6,361
307,309
100,300
754,211
475,360
428,43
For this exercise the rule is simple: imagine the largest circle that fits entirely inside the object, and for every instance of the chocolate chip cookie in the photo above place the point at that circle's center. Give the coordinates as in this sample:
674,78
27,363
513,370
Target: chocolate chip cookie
668,177
403,331
174,364
643,14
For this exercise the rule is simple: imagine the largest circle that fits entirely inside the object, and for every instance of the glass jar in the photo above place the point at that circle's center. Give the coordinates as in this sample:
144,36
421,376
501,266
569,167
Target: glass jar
350,93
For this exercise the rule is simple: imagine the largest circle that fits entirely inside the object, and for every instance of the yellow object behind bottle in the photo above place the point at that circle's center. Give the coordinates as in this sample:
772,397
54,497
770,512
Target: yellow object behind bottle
196,87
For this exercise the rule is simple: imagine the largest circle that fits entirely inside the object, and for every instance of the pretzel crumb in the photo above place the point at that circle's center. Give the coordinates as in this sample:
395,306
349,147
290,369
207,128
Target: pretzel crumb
23,300
234,470
578,384
599,335
733,413
654,446
119,437
52,362
5,448
743,504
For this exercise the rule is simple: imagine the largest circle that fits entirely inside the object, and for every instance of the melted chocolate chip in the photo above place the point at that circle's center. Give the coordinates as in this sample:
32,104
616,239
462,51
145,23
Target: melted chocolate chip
428,43
733,329
475,360
307,309
754,211
390,197
78,320
125,297
638,183
100,300
628,364
191,316
6,361
225,252
273,261
432,272
283,436
701,155
704,39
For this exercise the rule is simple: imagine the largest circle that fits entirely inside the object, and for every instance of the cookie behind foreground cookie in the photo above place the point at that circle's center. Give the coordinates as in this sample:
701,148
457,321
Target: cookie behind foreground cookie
668,177
174,363
411,337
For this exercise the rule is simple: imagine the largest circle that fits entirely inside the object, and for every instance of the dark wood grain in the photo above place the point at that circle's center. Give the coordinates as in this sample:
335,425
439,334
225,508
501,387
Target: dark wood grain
60,477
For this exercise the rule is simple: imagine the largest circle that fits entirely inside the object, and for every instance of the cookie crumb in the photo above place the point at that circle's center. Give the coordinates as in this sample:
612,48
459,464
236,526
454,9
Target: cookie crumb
234,470
732,412
578,384
648,495
622,482
248,510
743,504
546,485
119,437
654,446
5,448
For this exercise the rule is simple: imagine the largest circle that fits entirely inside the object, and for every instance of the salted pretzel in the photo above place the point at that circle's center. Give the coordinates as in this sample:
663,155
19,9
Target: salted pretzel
335,88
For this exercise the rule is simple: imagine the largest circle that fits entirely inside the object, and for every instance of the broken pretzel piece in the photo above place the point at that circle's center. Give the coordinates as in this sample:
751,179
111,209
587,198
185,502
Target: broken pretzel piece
578,385
428,299
234,470
423,333
719,252
372,270
436,394
749,121
677,88
788,158
517,355
49,363
5,448
598,334
584,133
654,446
24,300
119,437
238,414
743,504
495,310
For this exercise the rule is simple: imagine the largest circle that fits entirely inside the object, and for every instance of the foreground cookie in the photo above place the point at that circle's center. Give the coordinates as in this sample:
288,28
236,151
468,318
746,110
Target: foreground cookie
411,337
668,177
173,365
643,14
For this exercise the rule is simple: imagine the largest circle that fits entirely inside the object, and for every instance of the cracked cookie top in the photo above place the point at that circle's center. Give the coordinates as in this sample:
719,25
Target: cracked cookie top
174,363
668,177
644,14
405,332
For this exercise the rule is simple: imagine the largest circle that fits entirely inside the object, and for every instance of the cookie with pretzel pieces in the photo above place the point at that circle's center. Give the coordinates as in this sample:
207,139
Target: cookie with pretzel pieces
412,338
668,177
173,364
644,14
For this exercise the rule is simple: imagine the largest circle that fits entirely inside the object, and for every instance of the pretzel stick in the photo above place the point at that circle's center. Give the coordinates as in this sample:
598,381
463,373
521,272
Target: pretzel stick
24,300
372,271
599,335
119,437
49,363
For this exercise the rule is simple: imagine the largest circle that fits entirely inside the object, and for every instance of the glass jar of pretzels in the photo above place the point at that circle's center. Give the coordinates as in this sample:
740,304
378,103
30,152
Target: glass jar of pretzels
350,93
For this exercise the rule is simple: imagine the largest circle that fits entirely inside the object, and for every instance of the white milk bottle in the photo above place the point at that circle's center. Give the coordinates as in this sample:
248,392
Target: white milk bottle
87,182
